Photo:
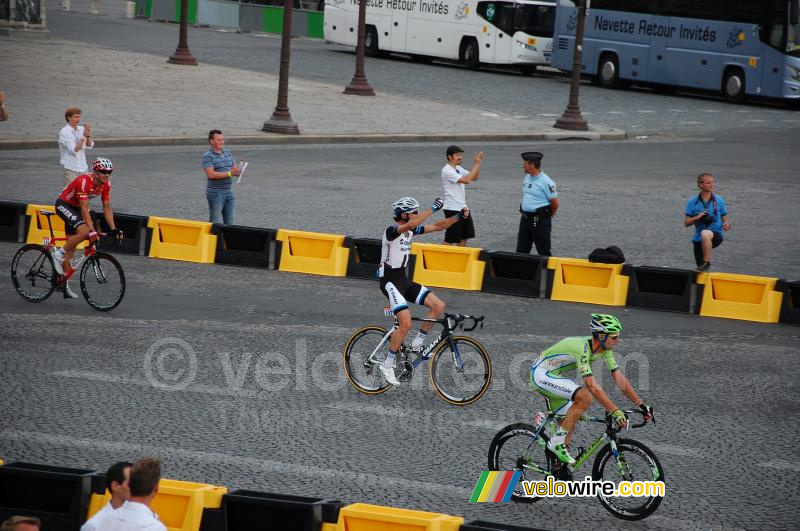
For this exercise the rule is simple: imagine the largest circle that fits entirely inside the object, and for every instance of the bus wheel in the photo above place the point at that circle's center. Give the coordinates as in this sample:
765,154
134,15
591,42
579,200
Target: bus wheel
371,42
469,54
608,71
733,85
527,70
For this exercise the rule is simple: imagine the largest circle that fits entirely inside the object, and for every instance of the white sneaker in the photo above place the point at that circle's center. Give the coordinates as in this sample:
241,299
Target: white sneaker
68,293
58,257
388,373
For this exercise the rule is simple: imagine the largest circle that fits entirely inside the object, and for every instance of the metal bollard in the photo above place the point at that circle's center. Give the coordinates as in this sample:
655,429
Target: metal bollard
65,5
130,9
94,7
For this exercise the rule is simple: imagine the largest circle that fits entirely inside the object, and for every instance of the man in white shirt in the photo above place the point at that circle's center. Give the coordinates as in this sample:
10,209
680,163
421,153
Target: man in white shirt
117,484
135,514
454,177
73,141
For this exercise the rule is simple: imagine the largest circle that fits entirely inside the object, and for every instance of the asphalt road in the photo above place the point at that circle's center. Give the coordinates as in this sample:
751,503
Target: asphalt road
268,407
631,194
505,93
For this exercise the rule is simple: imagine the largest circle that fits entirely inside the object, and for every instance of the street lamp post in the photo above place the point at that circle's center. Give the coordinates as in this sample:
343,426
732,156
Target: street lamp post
572,119
182,55
281,120
359,85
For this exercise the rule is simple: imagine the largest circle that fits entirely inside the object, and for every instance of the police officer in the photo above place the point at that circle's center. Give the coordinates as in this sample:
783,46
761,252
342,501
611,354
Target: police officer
539,204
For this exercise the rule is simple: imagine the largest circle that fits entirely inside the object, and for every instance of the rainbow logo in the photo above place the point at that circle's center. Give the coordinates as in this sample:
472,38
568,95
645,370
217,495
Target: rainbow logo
495,486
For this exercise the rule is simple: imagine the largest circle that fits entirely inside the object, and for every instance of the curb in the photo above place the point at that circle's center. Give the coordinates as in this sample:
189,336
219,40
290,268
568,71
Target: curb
273,139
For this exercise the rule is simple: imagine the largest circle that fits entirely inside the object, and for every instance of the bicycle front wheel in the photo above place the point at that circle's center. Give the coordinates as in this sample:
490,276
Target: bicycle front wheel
517,448
102,282
33,273
461,371
361,359
635,462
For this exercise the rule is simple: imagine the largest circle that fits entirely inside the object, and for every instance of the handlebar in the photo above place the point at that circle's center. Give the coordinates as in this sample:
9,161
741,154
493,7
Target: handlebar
610,420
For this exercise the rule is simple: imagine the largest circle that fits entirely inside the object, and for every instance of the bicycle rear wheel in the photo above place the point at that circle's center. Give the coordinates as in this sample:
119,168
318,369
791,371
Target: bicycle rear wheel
515,447
636,462
461,375
362,372
102,282
33,273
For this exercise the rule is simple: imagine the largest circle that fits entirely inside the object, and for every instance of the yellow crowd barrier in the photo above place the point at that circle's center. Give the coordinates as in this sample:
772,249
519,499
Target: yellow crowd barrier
578,280
179,239
448,266
38,229
744,297
312,252
364,517
178,504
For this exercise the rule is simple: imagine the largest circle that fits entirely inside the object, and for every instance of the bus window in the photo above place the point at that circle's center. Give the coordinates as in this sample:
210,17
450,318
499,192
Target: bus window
499,14
535,19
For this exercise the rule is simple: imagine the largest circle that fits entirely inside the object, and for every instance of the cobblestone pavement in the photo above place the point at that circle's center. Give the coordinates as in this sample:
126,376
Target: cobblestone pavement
269,408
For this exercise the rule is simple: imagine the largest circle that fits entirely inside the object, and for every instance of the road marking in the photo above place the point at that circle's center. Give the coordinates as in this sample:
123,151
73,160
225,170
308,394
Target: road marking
691,123
646,112
250,463
520,116
490,114
615,112
781,464
756,120
743,110
709,110
548,115
677,110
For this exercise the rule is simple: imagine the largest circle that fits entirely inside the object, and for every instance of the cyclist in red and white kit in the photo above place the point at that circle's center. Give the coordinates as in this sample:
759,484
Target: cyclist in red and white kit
72,206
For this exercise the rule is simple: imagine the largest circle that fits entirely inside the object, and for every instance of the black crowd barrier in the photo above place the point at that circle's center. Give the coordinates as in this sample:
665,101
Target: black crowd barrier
133,227
59,496
244,246
365,256
661,288
790,306
13,222
245,510
480,525
523,275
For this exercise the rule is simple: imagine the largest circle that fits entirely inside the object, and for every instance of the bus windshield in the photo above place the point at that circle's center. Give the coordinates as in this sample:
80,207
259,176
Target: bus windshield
793,40
535,19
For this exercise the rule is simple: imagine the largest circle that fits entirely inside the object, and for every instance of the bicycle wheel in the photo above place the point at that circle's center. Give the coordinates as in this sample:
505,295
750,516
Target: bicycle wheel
515,448
363,373
636,462
102,282
33,273
461,375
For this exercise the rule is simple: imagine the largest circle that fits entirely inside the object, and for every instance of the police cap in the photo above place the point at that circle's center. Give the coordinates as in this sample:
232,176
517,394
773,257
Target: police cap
532,156
452,150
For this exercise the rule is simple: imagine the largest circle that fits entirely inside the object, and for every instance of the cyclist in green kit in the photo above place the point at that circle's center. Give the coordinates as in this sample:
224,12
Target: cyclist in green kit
565,397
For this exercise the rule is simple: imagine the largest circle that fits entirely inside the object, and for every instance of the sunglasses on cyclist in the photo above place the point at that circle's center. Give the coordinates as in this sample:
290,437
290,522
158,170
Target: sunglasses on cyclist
613,336
104,172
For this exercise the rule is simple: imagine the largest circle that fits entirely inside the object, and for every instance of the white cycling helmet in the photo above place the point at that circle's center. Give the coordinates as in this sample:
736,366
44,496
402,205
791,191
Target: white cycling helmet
102,164
405,204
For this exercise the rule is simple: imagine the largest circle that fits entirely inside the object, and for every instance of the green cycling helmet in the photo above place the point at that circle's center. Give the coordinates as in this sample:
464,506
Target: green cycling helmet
603,323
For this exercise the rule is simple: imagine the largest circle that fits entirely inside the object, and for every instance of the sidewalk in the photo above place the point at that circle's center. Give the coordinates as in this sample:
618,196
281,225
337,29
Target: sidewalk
140,99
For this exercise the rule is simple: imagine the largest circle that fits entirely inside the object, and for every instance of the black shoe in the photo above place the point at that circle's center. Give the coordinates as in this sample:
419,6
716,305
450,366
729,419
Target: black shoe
705,266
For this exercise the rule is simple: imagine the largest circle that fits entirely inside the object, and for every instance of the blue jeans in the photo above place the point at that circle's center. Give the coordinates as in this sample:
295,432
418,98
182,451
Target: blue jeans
221,206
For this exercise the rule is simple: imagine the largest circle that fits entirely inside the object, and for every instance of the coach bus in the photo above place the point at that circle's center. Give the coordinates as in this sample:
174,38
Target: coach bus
501,32
737,47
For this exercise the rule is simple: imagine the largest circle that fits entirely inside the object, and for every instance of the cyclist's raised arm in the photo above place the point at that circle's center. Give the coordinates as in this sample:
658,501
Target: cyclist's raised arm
415,220
445,223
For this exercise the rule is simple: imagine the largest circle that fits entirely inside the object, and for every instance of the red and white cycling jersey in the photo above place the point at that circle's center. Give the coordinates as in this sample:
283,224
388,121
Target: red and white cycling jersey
83,188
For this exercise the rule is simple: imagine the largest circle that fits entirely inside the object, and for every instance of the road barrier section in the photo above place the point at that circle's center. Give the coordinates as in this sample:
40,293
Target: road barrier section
12,221
522,275
790,308
661,288
311,252
59,496
447,266
365,257
744,297
365,517
245,510
178,239
481,525
180,504
578,280
243,246
133,227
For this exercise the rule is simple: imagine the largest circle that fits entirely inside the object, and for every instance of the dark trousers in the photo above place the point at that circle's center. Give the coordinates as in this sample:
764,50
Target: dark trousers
534,231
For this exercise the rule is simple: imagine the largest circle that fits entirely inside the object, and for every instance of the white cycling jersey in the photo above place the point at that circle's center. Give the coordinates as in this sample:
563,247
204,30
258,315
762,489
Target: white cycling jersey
395,248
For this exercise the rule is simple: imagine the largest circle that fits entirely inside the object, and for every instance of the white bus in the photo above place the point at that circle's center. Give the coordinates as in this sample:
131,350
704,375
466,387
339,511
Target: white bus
506,32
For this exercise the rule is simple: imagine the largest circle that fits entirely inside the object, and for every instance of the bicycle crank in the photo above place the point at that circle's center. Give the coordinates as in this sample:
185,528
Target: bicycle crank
404,371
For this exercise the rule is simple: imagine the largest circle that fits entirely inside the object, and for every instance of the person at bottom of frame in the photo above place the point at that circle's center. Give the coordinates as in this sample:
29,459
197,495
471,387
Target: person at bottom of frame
395,250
